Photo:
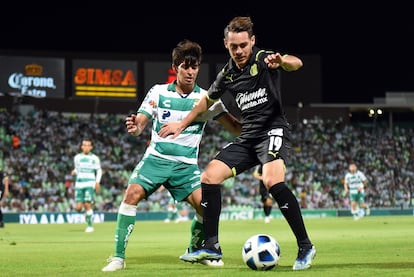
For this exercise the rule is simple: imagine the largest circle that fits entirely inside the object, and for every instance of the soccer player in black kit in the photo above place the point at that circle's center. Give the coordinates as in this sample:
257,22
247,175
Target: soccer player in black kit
251,76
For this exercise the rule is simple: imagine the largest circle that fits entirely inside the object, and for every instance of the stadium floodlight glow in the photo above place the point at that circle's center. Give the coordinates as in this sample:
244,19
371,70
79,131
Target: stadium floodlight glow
372,112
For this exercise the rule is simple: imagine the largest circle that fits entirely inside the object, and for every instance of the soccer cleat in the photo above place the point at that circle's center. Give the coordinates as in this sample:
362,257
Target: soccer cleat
208,262
201,254
267,220
89,230
367,211
115,264
212,263
304,259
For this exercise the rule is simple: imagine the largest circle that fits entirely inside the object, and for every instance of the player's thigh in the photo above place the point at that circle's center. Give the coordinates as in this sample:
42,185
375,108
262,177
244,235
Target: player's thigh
184,181
89,194
150,173
79,195
232,160
273,172
216,172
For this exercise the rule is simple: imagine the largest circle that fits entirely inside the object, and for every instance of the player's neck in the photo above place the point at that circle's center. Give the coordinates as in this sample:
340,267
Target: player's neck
184,89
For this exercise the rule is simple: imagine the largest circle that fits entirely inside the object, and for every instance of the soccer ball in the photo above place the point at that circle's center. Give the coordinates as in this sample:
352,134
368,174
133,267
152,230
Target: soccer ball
261,252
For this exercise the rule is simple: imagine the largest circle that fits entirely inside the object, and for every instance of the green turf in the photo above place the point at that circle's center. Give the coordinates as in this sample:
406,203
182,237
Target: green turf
372,246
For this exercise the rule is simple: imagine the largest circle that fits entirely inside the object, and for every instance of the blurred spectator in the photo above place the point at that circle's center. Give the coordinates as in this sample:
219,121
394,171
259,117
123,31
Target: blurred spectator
40,167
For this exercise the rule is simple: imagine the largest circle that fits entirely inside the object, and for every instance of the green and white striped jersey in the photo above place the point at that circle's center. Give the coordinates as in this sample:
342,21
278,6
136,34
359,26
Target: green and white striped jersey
88,170
355,181
164,104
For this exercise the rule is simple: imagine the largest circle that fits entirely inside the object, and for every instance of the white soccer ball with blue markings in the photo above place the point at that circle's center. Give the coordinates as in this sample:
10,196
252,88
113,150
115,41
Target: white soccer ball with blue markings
261,252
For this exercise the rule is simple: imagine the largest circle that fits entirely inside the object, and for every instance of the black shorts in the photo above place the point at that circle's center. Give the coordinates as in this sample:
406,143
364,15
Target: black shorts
242,155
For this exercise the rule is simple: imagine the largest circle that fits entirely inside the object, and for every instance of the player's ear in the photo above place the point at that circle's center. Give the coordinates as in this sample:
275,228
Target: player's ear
225,43
253,40
175,68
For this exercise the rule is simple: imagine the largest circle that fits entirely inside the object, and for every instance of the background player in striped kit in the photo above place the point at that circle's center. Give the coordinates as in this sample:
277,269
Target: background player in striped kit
354,183
88,173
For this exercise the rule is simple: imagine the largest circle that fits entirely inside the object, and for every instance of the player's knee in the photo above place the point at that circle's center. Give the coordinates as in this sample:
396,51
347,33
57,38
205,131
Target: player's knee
134,194
209,177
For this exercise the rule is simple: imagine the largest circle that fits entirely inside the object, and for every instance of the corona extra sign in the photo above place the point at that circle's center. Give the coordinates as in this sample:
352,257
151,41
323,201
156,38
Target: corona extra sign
32,76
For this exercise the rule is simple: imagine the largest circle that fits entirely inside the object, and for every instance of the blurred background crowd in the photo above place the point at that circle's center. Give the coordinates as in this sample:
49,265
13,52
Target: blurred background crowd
37,151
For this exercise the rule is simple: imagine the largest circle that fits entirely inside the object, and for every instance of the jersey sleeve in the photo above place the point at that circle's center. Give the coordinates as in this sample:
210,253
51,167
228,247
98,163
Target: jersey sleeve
260,57
150,102
215,111
98,170
216,89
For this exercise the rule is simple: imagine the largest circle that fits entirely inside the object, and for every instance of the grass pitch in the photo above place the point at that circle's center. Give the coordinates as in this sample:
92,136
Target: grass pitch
372,246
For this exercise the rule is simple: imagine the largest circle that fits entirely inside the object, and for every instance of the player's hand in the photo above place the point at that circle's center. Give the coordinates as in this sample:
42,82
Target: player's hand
170,128
131,125
274,60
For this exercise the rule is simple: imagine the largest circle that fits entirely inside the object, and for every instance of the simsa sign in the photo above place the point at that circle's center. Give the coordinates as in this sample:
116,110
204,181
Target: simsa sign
116,79
32,76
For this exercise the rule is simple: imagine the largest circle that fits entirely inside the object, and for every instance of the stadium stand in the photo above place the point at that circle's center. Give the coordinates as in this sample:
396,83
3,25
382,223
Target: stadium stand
40,164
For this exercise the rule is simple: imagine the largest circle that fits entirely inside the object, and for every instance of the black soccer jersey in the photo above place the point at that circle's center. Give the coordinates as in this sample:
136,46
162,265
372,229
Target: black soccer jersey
256,91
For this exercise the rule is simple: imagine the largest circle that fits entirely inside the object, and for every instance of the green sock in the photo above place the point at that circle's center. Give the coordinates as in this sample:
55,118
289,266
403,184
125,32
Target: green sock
124,227
197,234
88,218
170,215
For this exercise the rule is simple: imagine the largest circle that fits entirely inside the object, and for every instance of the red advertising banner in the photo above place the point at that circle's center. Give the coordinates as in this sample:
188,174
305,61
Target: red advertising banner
32,76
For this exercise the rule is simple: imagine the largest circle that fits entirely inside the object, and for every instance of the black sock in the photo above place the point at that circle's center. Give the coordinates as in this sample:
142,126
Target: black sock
211,204
267,210
290,209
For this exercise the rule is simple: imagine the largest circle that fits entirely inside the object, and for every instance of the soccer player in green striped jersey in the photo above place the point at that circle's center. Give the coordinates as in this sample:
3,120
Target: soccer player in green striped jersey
354,185
169,162
88,173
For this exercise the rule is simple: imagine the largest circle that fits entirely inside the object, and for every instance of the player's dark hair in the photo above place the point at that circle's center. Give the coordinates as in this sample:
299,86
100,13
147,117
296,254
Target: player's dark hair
187,52
239,24
87,139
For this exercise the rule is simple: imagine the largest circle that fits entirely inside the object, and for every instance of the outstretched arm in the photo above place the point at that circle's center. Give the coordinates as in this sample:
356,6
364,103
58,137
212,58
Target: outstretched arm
231,123
286,62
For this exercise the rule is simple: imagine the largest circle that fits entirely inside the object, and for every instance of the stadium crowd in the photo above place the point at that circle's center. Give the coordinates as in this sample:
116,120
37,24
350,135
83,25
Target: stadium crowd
37,151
